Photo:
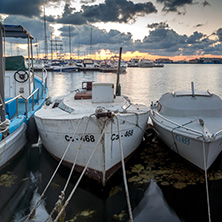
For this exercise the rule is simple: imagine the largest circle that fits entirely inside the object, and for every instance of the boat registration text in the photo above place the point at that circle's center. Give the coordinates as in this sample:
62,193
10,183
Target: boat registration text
91,138
182,139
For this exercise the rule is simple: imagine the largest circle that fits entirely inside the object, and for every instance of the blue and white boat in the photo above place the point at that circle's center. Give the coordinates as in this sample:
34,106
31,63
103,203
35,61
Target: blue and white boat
21,94
69,67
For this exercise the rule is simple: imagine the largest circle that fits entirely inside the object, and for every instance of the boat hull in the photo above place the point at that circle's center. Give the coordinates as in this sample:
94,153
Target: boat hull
12,144
68,69
56,135
15,137
190,148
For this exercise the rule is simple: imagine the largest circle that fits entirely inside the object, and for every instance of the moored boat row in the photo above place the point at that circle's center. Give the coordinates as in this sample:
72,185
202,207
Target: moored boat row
188,122
87,64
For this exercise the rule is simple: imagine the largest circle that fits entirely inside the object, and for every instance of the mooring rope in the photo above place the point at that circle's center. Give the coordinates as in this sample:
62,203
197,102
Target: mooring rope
53,175
62,195
73,166
136,124
124,174
83,172
173,137
4,125
206,180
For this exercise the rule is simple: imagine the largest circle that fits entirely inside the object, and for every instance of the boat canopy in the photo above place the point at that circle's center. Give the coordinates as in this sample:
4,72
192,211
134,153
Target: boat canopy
16,31
182,105
15,63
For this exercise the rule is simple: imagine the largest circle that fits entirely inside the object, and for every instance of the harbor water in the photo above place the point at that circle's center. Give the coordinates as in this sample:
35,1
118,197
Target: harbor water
163,187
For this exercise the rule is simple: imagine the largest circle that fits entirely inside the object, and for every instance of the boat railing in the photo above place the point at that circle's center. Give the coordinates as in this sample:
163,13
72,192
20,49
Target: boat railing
44,80
179,125
33,101
26,101
127,104
217,133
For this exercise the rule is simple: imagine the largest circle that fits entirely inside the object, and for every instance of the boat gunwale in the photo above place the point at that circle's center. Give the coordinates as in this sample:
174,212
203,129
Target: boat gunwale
206,138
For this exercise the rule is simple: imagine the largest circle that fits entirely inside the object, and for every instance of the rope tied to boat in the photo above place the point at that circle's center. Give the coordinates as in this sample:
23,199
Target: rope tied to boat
135,124
178,127
62,195
83,172
52,177
4,125
206,180
124,173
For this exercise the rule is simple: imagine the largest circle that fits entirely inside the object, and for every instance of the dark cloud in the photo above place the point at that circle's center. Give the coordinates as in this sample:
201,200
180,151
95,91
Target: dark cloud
69,16
27,8
214,50
99,37
117,11
163,41
194,38
205,3
120,11
34,26
173,5
158,25
219,34
198,25
110,11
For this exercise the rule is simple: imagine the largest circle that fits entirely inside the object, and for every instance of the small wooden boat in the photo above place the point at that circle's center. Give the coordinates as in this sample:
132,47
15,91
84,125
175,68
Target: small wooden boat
89,120
190,123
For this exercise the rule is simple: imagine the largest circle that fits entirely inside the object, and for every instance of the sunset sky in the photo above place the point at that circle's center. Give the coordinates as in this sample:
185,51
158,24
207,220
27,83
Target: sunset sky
176,29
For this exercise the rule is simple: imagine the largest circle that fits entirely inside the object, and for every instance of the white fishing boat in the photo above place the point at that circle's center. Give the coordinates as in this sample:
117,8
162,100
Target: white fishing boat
133,62
111,65
145,63
159,65
87,64
21,94
190,123
91,120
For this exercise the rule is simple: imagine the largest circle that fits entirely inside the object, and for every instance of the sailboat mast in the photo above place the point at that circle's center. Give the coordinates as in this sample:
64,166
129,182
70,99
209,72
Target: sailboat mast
46,46
118,87
70,49
2,74
90,50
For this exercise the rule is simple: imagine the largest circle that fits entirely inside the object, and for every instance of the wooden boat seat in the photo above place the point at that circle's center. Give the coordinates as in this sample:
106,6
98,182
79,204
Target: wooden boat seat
83,95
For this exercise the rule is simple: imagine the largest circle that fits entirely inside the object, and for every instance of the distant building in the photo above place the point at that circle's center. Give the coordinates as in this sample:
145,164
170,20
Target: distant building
206,60
162,60
193,61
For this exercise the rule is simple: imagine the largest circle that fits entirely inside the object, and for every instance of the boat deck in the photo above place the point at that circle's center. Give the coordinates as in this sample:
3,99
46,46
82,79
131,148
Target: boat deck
85,107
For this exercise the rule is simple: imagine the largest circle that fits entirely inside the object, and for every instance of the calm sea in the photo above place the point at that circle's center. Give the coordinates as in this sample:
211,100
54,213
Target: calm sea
162,186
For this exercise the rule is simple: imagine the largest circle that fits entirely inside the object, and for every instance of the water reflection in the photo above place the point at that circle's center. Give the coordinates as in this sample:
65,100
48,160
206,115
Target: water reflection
143,85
